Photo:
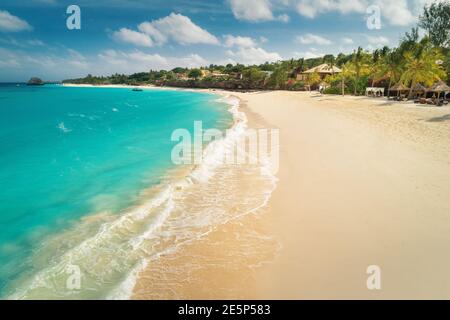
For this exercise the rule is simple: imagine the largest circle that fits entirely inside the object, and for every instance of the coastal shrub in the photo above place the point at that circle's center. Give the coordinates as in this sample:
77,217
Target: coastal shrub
333,90
299,85
195,73
361,85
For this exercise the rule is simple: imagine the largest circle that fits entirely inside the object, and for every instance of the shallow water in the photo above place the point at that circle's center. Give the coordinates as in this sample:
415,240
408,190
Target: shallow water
86,176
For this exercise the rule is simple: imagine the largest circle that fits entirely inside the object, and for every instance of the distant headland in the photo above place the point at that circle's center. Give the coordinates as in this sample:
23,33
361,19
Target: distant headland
35,81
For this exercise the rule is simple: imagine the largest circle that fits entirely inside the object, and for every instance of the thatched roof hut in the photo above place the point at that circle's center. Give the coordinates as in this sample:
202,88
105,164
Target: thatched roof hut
399,87
324,69
418,88
439,86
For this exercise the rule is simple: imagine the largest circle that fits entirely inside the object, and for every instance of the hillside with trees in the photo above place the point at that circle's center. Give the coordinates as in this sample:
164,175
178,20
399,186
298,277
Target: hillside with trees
414,61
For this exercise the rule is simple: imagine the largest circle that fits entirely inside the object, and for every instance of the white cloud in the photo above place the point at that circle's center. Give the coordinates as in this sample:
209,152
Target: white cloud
179,28
396,13
284,18
8,59
133,37
311,53
10,23
22,65
70,63
149,29
10,41
238,41
252,55
347,40
138,61
378,41
263,39
257,10
312,8
175,27
252,10
313,39
36,42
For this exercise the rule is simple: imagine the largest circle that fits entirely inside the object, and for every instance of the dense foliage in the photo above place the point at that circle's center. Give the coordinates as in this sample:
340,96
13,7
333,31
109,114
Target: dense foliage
414,61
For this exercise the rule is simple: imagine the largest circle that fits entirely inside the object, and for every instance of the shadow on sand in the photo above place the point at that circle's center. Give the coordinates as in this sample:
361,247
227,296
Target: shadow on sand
440,119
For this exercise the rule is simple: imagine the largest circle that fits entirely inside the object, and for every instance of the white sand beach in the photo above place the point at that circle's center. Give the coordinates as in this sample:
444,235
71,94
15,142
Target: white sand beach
362,182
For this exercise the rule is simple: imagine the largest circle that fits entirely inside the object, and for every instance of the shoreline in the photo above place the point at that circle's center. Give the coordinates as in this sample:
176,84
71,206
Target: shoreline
155,204
157,281
142,281
382,169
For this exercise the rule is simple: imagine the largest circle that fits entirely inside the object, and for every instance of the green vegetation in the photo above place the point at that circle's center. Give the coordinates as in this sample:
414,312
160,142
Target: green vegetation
414,61
436,21
195,74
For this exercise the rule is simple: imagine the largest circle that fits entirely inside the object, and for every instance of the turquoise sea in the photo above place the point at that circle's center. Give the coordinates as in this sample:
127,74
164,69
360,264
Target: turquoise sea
68,154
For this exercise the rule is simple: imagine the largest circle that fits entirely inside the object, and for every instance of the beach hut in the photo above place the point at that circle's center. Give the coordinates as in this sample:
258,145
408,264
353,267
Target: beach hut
419,91
438,88
323,71
399,88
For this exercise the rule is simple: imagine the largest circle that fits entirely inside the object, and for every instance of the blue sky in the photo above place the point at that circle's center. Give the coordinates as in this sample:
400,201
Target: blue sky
139,35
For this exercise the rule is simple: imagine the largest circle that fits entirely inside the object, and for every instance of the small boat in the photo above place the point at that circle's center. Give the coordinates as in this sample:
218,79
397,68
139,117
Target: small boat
137,90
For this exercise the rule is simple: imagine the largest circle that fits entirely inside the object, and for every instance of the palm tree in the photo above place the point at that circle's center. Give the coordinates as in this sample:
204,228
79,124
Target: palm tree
332,62
390,66
357,64
356,67
375,65
422,68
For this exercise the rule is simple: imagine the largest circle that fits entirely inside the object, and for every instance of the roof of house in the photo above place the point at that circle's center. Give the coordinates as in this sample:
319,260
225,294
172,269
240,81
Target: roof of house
324,68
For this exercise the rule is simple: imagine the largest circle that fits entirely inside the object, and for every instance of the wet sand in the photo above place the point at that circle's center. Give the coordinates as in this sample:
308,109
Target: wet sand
362,182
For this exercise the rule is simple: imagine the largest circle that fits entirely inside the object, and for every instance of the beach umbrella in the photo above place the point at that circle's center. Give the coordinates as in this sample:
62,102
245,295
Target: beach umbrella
399,87
439,87
419,88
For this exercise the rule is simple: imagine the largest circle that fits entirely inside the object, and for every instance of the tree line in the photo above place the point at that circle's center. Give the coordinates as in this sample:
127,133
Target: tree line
415,60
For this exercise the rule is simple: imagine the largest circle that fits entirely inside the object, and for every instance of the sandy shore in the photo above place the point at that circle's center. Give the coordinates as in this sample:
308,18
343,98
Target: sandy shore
362,182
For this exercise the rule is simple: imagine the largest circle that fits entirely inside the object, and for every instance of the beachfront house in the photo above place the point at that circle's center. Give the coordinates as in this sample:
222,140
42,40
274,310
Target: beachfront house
217,74
323,71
